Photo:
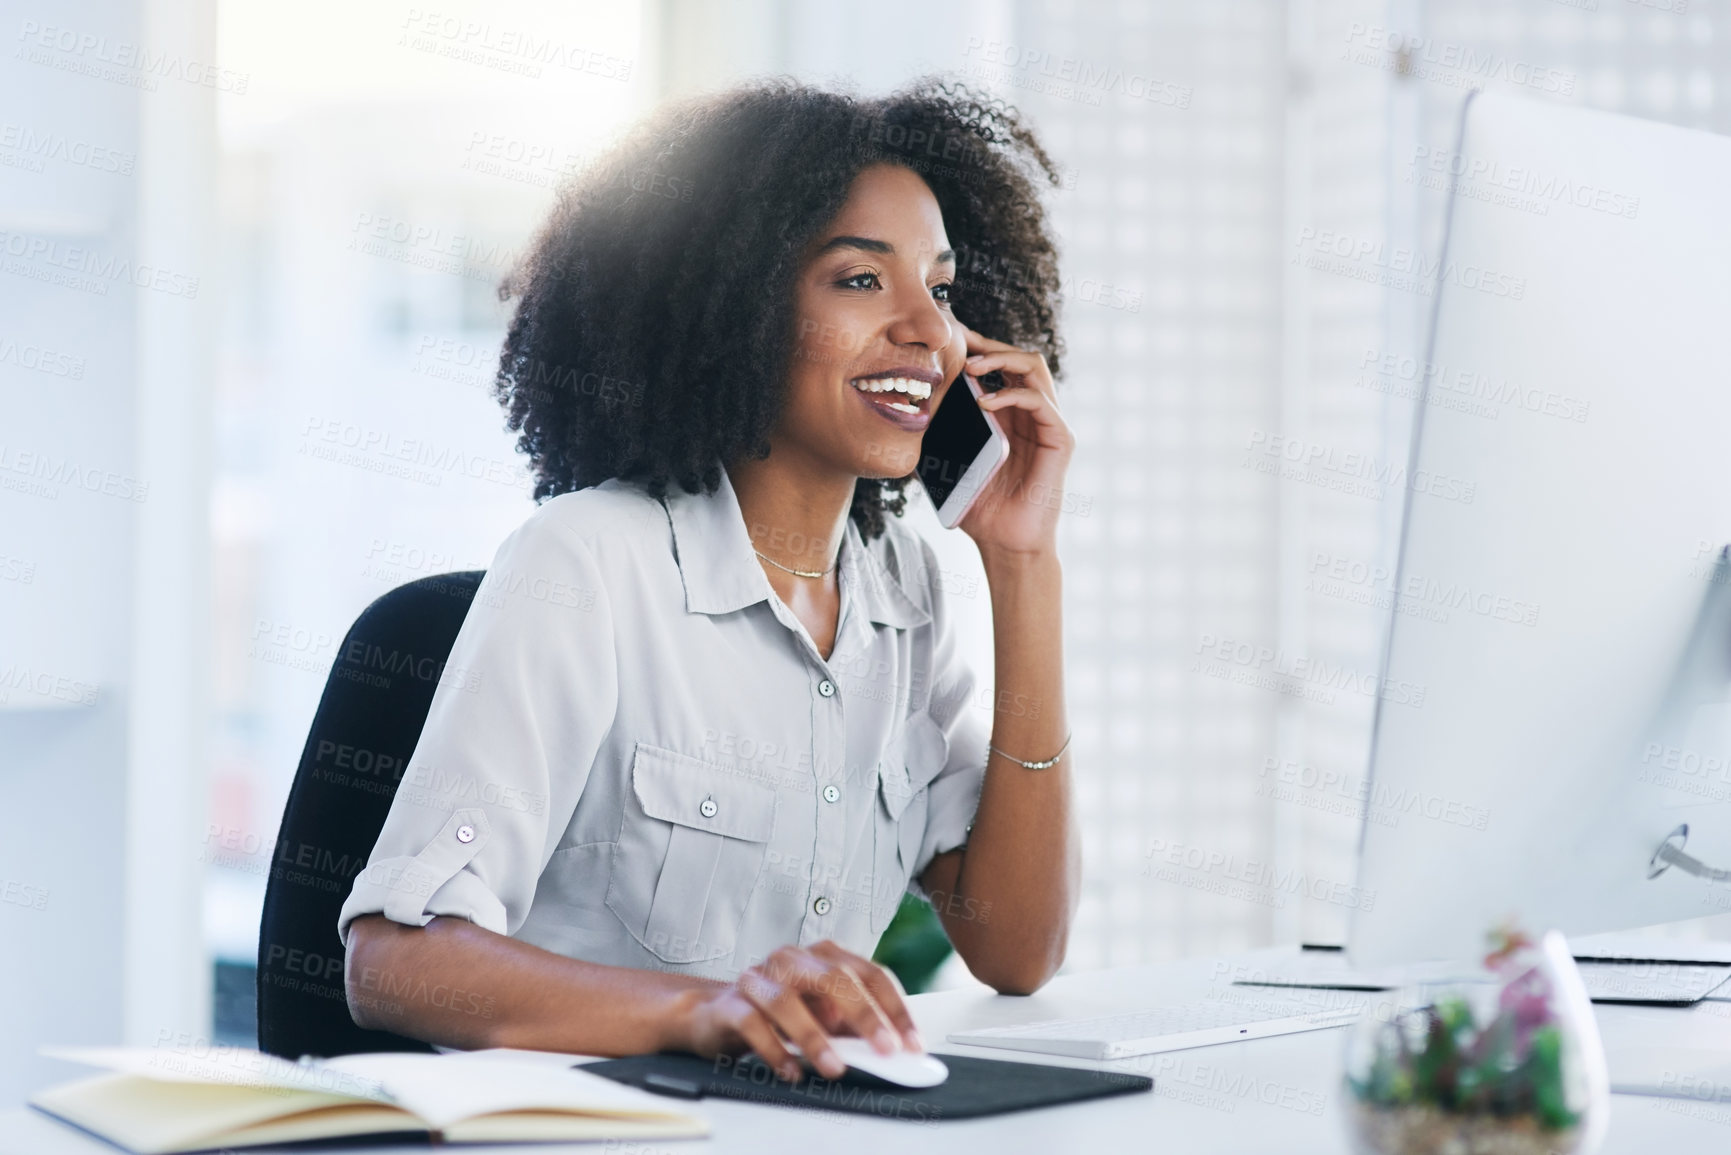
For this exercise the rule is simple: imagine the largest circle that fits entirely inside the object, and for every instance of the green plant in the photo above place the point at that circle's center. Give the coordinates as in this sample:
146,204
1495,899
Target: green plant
914,944
1507,1063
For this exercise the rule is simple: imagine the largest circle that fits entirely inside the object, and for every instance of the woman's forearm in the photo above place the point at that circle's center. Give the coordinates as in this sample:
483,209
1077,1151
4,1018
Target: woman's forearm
1016,885
454,983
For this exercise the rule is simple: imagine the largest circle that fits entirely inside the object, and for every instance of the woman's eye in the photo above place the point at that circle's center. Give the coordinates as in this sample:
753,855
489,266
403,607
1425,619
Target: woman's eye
942,292
860,281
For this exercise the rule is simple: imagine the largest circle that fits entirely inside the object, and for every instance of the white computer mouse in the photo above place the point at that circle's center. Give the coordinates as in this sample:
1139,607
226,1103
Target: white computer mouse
903,1068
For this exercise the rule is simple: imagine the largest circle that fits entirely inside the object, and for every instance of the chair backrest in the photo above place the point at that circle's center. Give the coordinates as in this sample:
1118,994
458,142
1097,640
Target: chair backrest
368,721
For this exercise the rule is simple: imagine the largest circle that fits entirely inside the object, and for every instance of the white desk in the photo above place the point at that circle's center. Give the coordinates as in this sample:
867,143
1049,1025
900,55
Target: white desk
1211,1099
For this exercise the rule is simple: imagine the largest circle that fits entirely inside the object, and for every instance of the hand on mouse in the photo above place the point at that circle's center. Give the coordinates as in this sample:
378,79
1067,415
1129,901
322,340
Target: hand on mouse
805,995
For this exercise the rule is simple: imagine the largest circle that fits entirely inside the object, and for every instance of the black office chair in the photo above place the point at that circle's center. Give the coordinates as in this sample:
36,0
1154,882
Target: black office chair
368,721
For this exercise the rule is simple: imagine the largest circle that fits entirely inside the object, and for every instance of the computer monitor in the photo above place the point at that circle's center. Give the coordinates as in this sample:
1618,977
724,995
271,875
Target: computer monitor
1565,608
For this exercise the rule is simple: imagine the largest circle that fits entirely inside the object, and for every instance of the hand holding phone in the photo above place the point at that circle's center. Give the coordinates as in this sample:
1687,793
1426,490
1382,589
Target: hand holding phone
963,447
1001,478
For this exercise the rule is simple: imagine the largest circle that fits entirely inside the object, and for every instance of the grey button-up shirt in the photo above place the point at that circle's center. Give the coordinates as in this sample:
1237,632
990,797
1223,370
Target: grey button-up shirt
636,755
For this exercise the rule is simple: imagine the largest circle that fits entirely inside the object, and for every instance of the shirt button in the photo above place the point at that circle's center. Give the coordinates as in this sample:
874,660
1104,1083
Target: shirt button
821,905
707,809
465,833
830,793
826,688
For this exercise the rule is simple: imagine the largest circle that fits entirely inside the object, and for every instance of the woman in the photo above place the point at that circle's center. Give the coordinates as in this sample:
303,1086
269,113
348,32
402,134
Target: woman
711,721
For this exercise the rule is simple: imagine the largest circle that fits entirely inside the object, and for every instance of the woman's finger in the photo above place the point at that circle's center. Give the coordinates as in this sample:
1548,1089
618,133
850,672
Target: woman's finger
782,1003
1019,362
980,343
755,1029
1031,400
842,990
1050,425
1016,397
883,988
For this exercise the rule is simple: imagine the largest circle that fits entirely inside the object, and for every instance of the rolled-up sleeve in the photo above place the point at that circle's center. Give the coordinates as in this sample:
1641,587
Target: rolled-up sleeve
529,693
959,721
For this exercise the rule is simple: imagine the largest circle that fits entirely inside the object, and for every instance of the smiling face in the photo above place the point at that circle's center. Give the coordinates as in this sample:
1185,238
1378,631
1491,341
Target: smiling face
876,345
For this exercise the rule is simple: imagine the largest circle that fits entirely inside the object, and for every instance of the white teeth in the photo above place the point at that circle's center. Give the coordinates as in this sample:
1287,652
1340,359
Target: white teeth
901,406
918,390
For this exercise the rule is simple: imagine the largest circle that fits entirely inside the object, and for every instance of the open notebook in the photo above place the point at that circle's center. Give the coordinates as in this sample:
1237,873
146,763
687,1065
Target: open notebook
156,1101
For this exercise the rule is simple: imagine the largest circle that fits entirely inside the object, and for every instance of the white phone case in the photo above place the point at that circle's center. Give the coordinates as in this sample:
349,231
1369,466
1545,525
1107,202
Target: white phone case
980,471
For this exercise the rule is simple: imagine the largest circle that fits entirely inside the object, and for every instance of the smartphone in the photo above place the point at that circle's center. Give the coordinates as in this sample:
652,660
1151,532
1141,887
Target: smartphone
962,448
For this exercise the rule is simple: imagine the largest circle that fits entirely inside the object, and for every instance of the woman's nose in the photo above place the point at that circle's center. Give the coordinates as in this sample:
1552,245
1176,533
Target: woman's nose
922,322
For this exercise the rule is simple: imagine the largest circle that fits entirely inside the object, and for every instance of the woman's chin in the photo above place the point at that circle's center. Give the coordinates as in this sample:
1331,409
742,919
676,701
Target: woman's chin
885,461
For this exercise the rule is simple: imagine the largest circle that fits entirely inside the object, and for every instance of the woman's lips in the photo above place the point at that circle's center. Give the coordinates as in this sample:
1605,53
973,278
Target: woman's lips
901,401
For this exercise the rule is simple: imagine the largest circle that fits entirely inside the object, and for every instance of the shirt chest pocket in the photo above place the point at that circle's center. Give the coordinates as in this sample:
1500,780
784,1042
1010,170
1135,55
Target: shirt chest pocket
691,843
914,756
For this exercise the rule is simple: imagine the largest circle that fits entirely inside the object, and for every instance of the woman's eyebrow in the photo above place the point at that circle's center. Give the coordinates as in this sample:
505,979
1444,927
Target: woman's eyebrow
872,245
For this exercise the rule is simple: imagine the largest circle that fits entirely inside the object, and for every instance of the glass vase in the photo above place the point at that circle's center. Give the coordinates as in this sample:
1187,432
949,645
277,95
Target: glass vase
1510,1065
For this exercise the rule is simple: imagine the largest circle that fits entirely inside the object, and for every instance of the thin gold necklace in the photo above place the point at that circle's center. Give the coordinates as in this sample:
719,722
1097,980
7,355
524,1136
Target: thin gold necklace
804,573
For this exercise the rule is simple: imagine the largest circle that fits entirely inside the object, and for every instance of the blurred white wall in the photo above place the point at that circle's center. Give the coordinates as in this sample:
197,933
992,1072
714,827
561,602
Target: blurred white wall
107,177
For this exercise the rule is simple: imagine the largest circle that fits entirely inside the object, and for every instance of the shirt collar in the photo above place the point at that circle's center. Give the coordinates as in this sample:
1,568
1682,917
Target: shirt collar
721,572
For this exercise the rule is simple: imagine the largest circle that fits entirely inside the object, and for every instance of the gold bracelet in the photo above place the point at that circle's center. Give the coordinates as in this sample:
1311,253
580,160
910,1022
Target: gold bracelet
1046,765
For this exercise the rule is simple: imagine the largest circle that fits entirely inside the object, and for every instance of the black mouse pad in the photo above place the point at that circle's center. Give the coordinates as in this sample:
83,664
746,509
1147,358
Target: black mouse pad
975,1087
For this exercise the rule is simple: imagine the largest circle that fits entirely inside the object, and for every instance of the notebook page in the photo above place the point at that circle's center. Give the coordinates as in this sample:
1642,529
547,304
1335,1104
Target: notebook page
443,1089
152,1115
234,1066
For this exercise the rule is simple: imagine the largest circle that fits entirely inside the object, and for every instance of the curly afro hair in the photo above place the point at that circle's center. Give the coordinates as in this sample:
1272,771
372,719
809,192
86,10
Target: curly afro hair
656,300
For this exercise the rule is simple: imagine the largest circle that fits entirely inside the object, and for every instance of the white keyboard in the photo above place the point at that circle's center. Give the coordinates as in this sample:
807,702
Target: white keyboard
1198,1024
